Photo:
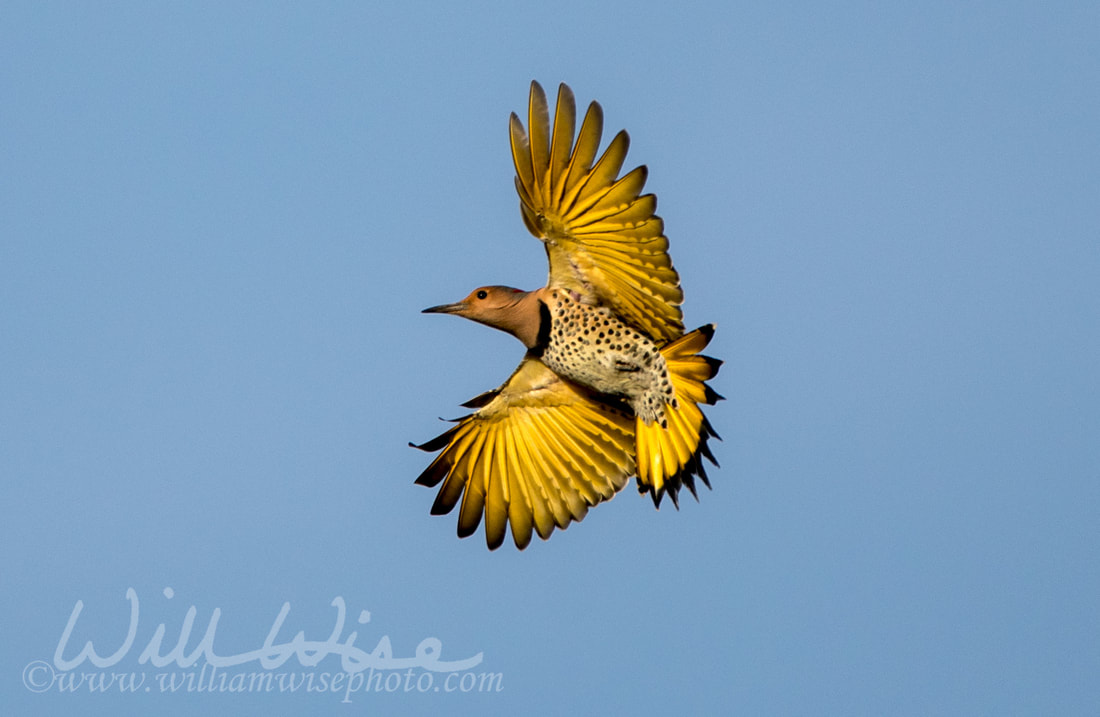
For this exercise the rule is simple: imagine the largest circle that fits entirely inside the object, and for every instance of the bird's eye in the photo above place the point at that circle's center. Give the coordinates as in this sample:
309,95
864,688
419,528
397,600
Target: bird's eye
482,294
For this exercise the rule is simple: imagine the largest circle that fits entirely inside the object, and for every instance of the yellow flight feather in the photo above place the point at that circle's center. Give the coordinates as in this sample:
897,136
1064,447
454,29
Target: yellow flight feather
537,455
669,458
596,227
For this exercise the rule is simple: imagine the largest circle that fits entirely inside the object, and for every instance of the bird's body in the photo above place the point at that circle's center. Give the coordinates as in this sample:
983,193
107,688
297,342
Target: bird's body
591,346
610,386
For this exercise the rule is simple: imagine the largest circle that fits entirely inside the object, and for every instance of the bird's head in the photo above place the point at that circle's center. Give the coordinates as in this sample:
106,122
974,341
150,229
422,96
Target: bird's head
501,307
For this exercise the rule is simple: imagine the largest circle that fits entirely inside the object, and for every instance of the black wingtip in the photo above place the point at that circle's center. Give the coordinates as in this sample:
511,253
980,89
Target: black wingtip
656,495
565,92
436,443
707,330
625,140
481,400
690,483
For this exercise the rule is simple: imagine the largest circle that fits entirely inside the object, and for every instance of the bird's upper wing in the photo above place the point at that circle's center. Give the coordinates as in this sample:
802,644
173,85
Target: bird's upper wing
536,453
603,239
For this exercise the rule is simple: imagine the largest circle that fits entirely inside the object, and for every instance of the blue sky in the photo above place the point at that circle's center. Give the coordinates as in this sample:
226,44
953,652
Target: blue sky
219,222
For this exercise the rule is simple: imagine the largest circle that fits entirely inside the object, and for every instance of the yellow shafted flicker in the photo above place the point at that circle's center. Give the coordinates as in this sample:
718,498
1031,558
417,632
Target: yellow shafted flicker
610,386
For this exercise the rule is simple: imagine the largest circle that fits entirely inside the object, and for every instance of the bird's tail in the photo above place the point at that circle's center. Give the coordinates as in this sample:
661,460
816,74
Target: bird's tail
669,458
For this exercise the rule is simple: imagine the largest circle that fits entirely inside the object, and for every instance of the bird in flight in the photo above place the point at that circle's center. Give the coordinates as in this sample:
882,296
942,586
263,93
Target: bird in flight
610,386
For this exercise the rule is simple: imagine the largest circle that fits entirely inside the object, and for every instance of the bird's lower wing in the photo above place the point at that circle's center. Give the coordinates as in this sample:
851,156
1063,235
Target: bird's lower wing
537,454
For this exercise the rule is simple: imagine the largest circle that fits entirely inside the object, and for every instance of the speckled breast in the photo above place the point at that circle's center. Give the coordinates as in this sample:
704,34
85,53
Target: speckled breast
591,346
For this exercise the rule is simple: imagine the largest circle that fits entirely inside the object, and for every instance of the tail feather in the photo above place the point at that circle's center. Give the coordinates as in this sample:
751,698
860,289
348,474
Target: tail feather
670,458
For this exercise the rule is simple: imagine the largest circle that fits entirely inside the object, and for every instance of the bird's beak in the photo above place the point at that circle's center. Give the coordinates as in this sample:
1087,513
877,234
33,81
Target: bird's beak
445,308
